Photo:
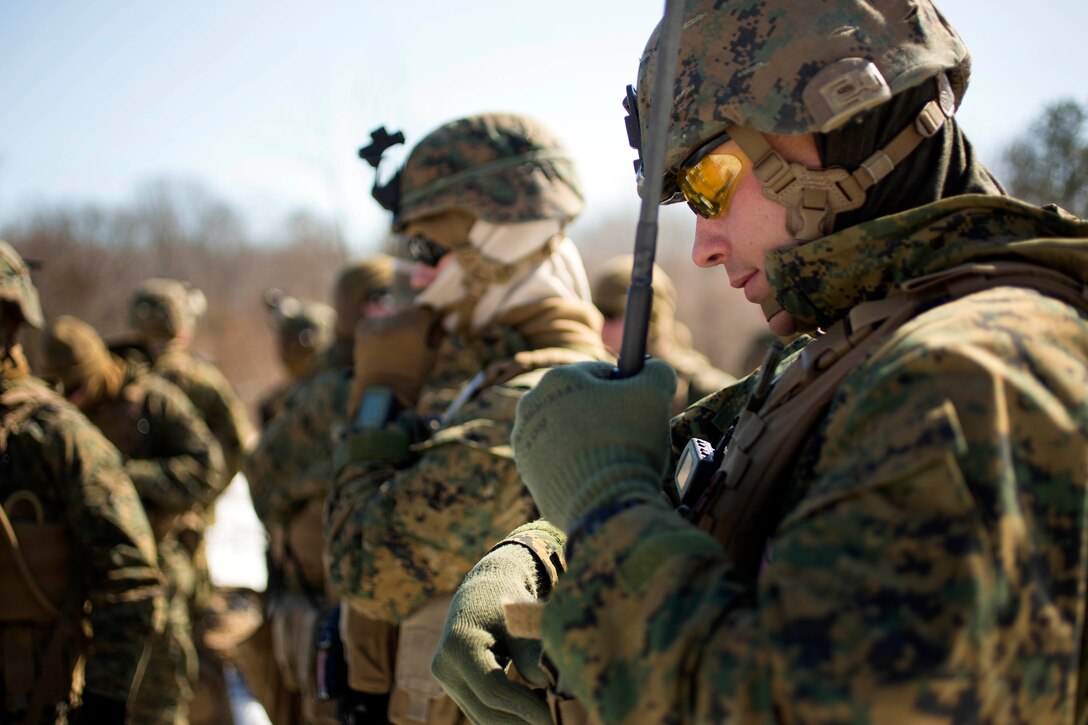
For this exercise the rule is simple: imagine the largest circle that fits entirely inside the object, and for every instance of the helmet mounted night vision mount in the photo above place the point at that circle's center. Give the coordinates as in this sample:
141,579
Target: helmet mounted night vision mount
388,194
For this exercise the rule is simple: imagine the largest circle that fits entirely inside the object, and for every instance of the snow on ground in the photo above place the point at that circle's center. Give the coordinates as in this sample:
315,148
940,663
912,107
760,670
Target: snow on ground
236,547
237,540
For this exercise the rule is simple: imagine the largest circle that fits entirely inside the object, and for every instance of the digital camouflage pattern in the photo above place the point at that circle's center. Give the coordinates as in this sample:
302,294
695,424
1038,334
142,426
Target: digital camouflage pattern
931,561
291,463
403,529
500,167
50,449
170,454
178,470
750,62
214,397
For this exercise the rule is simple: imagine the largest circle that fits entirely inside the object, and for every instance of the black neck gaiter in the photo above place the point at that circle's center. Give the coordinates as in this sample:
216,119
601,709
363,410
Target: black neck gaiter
941,166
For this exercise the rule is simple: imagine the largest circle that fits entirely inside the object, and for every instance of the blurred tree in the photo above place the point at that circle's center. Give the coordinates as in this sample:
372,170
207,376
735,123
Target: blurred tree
92,256
1049,164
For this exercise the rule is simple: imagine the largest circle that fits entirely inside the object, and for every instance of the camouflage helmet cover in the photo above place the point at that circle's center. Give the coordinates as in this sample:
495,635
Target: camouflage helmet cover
16,286
305,322
795,66
161,307
502,168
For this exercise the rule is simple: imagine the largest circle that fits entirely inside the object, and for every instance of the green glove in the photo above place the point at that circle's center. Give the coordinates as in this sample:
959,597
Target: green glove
582,439
475,647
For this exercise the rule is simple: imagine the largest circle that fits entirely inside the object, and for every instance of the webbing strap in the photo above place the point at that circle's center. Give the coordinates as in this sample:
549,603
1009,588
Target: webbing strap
742,507
23,566
814,196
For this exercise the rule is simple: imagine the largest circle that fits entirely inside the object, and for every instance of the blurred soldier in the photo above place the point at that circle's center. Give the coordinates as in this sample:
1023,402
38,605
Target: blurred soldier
163,314
289,474
76,549
670,339
483,202
887,526
304,330
177,468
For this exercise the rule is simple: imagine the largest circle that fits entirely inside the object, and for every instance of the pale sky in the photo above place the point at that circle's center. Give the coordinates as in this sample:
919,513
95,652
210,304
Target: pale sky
266,102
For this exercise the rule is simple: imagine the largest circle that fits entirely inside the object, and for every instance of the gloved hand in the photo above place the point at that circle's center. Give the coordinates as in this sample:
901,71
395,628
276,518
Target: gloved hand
397,350
582,439
101,709
476,647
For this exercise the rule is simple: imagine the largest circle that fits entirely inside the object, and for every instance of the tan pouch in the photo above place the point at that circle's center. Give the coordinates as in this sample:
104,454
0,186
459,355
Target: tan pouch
417,697
45,549
370,650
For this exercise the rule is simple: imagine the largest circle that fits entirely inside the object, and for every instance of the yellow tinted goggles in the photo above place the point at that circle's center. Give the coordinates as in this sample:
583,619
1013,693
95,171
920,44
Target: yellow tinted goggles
709,185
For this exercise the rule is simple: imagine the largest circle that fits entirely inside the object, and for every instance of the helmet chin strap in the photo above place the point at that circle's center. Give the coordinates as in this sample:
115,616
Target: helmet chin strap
813,197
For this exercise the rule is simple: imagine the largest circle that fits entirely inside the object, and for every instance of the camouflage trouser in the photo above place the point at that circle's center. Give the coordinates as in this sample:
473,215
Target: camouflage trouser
166,688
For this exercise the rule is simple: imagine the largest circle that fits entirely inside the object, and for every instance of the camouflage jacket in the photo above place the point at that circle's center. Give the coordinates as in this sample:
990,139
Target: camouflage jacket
170,455
215,399
53,451
931,563
413,509
291,466
292,462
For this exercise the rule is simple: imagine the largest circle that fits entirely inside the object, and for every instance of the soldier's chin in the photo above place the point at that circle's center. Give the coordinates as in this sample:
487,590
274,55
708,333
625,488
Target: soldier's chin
782,324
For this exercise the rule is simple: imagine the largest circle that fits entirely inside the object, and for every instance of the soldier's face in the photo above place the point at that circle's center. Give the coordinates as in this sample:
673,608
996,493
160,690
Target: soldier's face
612,334
447,229
753,226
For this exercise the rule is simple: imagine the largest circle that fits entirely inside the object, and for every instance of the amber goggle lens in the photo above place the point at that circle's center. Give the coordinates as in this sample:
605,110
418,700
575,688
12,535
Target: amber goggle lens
709,185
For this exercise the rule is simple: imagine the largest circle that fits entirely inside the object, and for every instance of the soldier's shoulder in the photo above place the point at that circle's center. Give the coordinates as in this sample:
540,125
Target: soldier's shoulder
157,392
42,413
34,399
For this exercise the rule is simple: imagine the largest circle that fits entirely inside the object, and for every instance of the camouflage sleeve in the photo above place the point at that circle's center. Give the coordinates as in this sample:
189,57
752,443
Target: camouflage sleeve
219,405
115,542
185,467
291,463
937,553
228,420
399,533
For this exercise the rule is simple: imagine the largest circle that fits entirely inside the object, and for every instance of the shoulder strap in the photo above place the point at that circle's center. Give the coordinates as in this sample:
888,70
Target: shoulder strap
742,507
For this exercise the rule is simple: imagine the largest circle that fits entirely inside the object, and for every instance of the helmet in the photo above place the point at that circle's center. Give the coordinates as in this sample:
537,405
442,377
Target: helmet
610,289
164,308
794,67
72,352
16,286
358,282
309,324
500,167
